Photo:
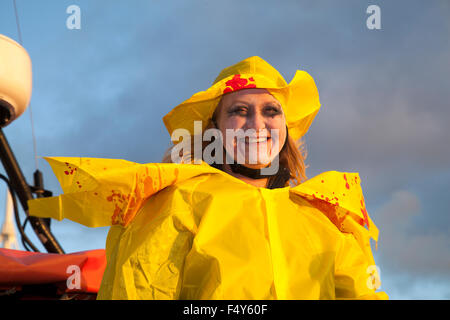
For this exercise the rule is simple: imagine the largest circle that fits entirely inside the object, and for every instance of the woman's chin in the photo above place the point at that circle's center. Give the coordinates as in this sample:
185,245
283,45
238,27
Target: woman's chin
258,163
255,166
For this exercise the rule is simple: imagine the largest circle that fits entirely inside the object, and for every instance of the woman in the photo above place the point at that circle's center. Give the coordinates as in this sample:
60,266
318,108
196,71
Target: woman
243,226
257,113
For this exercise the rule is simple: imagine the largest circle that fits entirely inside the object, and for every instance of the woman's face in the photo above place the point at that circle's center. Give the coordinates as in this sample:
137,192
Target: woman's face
253,109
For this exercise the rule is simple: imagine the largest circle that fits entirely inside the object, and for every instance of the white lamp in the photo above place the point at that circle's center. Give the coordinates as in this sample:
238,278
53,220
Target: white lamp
15,80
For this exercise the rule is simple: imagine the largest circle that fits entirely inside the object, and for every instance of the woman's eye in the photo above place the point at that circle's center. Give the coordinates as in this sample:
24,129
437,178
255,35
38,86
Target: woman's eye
272,110
239,111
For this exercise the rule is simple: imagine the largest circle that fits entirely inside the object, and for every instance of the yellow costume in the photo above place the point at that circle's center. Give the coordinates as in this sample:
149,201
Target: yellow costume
187,231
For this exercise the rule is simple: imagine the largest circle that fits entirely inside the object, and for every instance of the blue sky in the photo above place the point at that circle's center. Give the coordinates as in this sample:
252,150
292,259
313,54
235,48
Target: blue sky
102,91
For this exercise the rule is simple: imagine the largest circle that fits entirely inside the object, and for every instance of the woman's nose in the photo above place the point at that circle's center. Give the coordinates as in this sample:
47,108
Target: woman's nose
256,121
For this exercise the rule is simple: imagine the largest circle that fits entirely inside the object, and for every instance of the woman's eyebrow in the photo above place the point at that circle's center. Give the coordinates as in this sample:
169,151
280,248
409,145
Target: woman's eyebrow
241,101
273,103
251,104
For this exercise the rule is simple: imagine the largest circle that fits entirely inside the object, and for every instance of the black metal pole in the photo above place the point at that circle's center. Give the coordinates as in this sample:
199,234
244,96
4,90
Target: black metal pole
24,194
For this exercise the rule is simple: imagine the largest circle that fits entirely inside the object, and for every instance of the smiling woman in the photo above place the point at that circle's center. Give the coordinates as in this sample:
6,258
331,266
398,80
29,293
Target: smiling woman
229,229
254,110
260,119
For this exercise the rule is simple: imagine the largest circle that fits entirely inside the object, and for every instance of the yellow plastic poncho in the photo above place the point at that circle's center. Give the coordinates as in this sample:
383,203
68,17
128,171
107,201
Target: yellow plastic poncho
186,231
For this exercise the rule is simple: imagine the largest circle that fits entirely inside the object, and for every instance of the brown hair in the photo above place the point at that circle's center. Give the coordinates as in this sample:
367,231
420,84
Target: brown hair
292,156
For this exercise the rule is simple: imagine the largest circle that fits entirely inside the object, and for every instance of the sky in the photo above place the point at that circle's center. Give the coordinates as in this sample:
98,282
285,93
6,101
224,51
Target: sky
102,90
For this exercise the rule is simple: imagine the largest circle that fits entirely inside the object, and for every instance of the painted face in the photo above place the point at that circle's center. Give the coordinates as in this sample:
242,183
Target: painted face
258,123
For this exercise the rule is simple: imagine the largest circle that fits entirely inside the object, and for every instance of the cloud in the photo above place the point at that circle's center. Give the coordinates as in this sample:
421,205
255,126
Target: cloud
414,259
404,249
405,287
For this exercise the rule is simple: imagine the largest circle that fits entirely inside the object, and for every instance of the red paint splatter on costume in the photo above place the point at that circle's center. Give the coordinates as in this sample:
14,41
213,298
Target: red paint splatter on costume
346,182
127,205
329,210
364,212
120,200
113,196
238,83
70,169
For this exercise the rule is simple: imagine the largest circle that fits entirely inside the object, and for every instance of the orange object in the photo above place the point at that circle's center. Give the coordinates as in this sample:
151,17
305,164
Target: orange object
19,268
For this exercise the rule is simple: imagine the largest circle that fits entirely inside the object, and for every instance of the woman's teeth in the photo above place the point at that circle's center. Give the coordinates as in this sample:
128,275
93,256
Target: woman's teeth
256,140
